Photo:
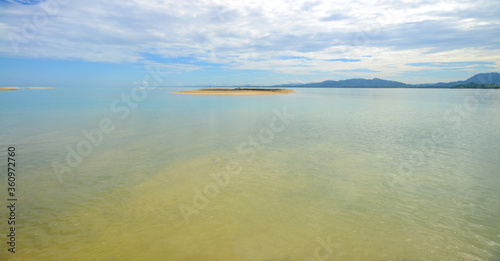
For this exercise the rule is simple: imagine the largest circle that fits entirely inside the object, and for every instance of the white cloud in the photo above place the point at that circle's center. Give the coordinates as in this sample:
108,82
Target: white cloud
254,34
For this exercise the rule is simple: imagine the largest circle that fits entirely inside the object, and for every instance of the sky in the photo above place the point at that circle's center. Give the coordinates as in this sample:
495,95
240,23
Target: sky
94,43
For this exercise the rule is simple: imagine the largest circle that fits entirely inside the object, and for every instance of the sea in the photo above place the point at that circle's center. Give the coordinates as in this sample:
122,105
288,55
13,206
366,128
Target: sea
320,174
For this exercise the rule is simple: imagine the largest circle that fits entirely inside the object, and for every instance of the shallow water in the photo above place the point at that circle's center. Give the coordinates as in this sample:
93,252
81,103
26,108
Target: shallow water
350,174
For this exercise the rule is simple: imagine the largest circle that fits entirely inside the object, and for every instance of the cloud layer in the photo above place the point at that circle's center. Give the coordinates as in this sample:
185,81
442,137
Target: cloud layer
294,37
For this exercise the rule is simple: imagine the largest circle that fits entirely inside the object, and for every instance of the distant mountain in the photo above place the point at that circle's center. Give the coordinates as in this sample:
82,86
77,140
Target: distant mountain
485,78
353,83
482,79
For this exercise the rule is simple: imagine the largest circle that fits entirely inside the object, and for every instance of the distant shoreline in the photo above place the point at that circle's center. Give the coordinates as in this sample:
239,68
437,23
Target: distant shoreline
236,91
17,88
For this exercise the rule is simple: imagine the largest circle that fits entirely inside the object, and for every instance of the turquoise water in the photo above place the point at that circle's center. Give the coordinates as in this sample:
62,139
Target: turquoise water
345,174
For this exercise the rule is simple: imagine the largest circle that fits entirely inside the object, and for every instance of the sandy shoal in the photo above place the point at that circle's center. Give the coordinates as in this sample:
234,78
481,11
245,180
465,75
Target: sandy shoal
17,88
236,91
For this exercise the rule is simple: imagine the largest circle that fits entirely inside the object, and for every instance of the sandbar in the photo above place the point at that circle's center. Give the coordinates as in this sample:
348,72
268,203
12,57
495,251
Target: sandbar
236,91
17,88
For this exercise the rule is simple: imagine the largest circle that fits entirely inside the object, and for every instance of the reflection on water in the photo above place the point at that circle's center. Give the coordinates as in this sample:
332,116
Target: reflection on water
318,190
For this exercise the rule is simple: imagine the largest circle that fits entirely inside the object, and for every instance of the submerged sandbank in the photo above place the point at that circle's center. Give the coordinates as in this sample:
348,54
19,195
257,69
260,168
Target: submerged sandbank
17,88
236,91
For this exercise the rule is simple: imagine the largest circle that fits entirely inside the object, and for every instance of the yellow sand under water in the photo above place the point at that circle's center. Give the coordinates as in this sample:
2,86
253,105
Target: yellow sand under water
316,191
279,209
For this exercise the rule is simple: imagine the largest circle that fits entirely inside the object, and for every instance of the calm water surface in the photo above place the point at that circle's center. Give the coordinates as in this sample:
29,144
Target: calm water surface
346,174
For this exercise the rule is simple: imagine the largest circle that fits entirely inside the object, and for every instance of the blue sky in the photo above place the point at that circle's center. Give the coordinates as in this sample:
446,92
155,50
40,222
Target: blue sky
64,43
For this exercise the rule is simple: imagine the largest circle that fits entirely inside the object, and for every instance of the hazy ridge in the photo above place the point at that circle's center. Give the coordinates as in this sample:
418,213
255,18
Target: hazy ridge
482,80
